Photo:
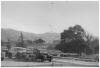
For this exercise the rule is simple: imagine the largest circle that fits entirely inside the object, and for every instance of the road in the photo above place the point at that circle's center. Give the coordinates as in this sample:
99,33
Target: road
55,62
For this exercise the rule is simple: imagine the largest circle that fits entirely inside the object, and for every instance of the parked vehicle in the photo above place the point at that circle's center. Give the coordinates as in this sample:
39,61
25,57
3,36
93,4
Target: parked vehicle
37,57
33,56
47,57
29,56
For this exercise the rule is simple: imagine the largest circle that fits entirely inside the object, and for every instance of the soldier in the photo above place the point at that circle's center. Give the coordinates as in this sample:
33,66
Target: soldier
2,56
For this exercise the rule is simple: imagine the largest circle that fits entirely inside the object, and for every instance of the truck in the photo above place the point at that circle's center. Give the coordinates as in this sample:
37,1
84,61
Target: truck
33,55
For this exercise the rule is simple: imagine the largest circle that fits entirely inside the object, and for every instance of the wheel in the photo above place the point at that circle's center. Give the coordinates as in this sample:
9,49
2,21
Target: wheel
49,60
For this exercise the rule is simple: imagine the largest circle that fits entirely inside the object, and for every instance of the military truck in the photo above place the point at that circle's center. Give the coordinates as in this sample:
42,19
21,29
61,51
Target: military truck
32,54
47,57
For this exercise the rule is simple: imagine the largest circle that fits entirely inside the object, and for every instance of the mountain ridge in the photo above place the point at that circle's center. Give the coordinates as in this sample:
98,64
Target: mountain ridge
14,35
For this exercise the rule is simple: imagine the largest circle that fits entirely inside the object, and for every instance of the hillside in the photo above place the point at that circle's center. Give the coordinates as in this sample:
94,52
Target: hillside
14,35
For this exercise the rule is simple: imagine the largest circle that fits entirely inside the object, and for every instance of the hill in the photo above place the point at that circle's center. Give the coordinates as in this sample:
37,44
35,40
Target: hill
14,35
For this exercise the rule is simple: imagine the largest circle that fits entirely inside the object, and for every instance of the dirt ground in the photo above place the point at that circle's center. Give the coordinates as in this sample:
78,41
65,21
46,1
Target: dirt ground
55,62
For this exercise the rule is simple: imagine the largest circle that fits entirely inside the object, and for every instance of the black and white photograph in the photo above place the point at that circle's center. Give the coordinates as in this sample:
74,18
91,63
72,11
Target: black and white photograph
49,33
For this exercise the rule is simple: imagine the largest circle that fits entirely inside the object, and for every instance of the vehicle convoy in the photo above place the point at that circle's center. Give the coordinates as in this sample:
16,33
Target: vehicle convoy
33,55
37,57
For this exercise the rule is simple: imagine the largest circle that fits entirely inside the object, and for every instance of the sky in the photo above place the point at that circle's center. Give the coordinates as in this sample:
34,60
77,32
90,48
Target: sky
47,16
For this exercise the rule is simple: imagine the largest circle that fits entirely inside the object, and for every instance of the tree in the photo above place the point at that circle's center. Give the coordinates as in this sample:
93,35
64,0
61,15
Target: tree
20,41
94,45
92,42
72,40
39,41
76,39
73,33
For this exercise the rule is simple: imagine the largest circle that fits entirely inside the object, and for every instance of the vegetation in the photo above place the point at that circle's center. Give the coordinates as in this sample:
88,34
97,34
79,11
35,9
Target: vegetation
76,40
20,42
73,40
39,41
